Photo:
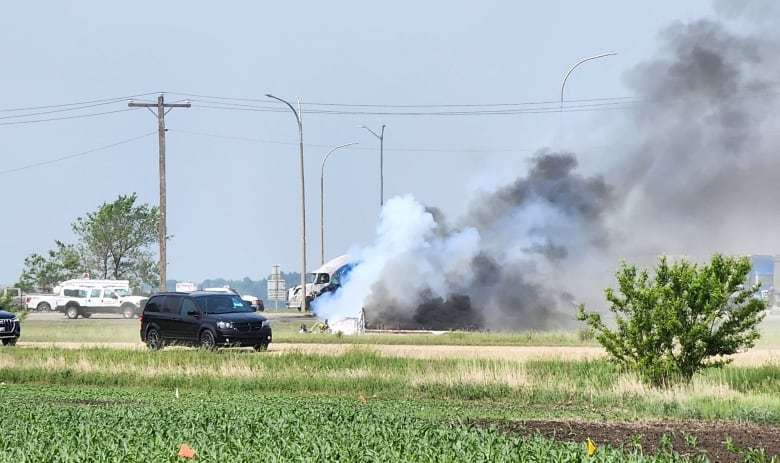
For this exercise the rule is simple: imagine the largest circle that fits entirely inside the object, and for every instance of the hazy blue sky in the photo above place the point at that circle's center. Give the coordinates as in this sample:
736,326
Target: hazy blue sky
233,175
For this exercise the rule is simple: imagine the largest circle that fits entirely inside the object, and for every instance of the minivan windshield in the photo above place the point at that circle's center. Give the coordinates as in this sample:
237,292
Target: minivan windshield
222,303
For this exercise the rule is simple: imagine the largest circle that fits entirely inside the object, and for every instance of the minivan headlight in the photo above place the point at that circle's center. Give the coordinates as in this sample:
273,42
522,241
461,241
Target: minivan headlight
224,325
266,323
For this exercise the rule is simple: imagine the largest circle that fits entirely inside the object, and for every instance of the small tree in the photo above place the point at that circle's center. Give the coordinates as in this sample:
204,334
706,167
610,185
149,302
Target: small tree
44,273
115,241
686,318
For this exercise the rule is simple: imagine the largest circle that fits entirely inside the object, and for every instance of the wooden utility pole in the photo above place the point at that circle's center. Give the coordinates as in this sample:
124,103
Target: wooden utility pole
162,232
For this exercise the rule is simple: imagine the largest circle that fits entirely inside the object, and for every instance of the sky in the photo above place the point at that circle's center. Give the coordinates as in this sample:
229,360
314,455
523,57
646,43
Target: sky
468,91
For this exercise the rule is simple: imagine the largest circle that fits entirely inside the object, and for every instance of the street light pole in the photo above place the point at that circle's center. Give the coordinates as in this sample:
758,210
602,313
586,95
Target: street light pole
578,63
381,138
322,201
303,197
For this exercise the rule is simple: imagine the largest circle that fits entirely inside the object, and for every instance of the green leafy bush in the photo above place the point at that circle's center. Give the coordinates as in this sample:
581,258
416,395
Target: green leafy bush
683,319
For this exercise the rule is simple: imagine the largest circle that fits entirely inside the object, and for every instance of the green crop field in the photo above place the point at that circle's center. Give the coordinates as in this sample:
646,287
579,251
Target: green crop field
365,401
128,425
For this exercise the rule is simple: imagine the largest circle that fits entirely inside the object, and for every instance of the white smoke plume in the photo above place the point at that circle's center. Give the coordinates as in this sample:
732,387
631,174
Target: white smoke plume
697,173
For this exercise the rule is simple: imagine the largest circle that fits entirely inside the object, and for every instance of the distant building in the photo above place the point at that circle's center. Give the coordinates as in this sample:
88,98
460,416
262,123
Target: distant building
186,286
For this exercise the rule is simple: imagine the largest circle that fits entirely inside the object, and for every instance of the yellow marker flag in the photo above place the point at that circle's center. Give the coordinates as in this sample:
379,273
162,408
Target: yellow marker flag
591,447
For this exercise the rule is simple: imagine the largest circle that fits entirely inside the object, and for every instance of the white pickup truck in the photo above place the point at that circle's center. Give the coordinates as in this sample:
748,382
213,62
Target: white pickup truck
86,297
31,301
42,302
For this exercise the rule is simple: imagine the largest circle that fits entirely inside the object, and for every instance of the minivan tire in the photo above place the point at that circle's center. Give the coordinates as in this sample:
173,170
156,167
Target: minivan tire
9,341
207,340
261,347
72,311
153,339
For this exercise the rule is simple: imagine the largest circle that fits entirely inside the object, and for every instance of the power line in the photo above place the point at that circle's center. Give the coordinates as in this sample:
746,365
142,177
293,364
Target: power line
489,109
52,111
472,105
526,103
108,100
541,110
312,145
71,156
67,117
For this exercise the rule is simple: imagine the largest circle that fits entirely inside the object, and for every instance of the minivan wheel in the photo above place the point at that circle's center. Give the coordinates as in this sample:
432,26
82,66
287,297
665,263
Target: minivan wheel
153,339
207,340
72,312
9,341
128,311
261,347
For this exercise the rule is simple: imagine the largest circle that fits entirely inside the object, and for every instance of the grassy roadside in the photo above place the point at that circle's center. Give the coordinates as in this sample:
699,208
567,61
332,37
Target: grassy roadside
286,331
286,326
584,388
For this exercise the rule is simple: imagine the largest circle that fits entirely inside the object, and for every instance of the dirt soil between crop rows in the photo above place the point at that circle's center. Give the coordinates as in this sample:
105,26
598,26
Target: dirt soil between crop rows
685,437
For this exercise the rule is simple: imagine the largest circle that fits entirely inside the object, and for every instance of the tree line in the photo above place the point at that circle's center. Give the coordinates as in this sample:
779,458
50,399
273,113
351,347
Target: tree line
257,288
115,242
118,242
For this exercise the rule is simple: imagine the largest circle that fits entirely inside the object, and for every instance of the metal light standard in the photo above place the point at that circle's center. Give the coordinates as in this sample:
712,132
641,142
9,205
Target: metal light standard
322,201
381,138
303,198
578,63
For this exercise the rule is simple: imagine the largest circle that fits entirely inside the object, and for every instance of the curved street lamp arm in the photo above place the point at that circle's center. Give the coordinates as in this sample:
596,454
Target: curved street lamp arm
297,116
322,169
322,200
563,84
374,133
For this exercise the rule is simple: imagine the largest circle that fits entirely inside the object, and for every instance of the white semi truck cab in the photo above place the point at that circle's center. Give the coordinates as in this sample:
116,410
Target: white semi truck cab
319,280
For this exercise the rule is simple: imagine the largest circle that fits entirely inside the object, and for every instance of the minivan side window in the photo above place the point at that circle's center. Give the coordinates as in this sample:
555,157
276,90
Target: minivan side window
171,304
154,304
95,292
188,305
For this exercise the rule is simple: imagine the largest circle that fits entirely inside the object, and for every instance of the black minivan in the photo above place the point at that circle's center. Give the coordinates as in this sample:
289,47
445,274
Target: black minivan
203,318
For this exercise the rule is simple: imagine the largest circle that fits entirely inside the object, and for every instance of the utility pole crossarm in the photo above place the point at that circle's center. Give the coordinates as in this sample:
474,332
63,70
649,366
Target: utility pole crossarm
133,104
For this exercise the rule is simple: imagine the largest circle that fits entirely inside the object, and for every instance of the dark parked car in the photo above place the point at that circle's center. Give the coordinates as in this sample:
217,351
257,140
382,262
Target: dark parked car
10,328
208,319
258,305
